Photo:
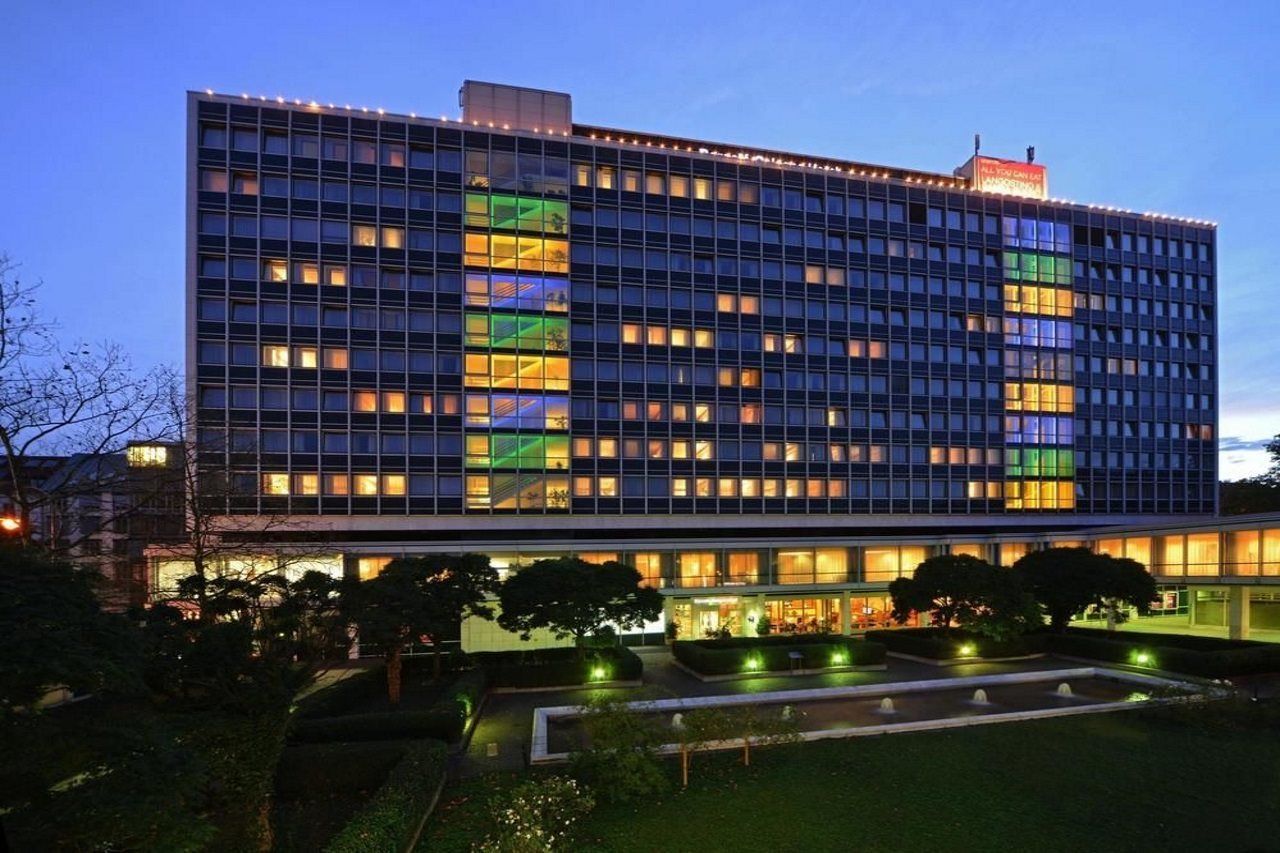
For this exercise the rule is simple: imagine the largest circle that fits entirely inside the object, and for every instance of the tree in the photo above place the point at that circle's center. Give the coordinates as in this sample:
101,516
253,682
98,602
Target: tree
78,401
573,598
416,597
55,633
950,587
1253,494
1067,581
619,758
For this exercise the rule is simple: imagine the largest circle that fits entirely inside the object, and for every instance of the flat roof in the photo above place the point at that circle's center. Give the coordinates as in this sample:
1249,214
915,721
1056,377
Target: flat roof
656,143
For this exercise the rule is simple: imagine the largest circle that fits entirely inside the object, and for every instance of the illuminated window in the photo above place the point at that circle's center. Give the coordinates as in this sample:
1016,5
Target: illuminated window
607,448
306,273
337,484
511,292
630,181
371,567
393,402
704,338
655,183
275,356
630,333
335,275
392,238
364,401
696,569
678,186
606,178
146,455
477,491
607,487
583,487
1039,494
335,358
749,304
726,302
304,357
365,484
517,331
1038,397
393,485
275,270
275,484
526,372
1029,299
306,484
517,213
742,567
506,251
364,235
702,189
680,337
657,336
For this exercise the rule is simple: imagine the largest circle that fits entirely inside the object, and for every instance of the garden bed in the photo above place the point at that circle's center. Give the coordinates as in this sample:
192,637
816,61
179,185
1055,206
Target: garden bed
565,667
1208,657
945,646
751,656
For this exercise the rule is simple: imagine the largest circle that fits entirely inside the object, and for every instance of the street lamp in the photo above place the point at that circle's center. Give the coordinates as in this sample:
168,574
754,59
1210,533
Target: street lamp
10,524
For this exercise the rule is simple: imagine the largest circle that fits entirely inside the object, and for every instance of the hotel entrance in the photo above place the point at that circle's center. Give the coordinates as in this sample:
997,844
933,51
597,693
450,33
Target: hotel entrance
700,618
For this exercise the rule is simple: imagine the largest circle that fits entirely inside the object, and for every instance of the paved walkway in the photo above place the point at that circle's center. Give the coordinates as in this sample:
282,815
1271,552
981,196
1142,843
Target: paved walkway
500,740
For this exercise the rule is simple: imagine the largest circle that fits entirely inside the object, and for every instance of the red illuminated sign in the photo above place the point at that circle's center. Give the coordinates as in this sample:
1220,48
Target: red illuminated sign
1010,177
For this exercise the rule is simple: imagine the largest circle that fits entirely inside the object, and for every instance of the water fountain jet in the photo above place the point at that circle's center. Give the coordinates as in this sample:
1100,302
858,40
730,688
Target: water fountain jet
886,706
1064,689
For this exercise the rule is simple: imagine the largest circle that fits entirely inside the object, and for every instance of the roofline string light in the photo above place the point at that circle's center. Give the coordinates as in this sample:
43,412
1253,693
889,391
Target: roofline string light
940,181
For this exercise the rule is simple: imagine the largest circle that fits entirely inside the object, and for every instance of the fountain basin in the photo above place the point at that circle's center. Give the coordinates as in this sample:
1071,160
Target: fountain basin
838,712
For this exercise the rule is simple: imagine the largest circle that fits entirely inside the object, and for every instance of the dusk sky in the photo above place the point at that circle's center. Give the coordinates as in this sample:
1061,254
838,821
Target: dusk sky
1149,106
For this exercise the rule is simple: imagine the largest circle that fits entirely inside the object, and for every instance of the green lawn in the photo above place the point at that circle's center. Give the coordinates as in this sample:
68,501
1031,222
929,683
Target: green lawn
1203,778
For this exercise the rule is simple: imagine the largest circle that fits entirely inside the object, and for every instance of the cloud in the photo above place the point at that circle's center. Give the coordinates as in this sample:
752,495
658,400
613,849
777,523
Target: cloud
1234,442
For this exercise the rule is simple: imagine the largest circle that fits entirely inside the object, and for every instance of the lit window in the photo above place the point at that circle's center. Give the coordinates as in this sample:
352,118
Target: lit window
680,337
306,484
393,402
606,178
365,485
654,183
335,358
608,487
392,238
704,338
607,448
306,273
680,487
678,185
393,485
583,487
364,401
335,275
337,484
275,484
726,302
630,333
275,270
364,235
275,356
146,455
630,181
304,356
702,189
749,304
657,336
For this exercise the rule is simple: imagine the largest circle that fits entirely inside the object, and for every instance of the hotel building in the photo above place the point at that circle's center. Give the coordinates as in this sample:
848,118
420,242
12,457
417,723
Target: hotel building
771,382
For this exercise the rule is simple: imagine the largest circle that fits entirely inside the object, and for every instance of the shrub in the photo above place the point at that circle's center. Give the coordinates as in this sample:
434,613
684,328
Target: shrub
396,810
321,770
945,643
620,761
773,653
445,720
559,667
345,694
537,816
1203,656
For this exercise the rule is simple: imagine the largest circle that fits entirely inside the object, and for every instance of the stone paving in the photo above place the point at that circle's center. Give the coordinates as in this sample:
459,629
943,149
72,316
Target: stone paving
500,739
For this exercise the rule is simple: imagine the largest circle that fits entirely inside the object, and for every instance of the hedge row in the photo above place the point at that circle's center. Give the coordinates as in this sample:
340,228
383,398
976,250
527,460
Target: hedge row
321,770
396,810
563,667
1208,658
445,720
770,654
945,643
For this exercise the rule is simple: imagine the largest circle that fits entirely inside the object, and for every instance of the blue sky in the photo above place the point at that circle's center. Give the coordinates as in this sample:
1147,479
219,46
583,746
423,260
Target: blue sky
1150,106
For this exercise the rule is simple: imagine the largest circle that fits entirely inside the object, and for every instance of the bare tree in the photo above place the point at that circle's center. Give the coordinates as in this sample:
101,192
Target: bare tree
77,403
225,531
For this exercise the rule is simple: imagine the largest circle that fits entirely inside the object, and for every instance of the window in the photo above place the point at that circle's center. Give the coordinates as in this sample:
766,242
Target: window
364,235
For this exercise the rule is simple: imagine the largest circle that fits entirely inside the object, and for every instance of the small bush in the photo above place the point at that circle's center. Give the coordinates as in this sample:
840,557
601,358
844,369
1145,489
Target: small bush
945,643
394,812
538,816
764,654
620,761
559,667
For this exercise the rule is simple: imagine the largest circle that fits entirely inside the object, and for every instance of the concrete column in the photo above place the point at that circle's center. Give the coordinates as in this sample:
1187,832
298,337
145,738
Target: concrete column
1238,612
1191,606
846,614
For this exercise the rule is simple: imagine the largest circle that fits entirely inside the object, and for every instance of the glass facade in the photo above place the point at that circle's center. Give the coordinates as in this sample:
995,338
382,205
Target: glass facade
396,316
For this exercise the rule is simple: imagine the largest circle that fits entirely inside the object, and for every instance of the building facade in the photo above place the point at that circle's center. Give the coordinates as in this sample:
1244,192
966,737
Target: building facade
735,368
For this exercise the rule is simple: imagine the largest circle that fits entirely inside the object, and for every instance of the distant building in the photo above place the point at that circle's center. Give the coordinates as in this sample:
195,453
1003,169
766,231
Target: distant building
102,510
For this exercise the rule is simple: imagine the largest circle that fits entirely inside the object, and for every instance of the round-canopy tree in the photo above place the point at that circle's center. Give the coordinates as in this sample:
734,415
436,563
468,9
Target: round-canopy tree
573,598
951,588
1066,581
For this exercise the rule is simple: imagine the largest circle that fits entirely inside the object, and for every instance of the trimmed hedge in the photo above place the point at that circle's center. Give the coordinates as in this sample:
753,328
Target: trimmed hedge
1207,657
320,770
393,814
558,667
944,643
729,656
445,720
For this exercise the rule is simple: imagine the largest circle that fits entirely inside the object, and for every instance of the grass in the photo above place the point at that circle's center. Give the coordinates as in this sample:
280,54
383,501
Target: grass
1193,778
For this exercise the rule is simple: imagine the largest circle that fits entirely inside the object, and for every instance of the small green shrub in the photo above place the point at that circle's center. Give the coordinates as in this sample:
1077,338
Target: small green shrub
764,654
559,667
946,643
620,760
537,816
394,812
445,720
